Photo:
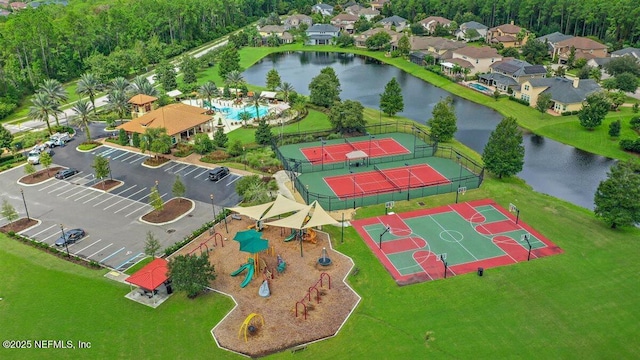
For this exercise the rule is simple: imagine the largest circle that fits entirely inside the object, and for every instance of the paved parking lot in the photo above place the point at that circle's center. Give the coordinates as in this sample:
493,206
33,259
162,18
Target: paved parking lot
115,236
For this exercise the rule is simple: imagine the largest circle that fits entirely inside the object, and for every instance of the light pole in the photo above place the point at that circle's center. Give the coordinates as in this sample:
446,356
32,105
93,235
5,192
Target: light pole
353,178
25,204
244,157
459,178
307,188
369,154
213,208
322,154
64,238
409,183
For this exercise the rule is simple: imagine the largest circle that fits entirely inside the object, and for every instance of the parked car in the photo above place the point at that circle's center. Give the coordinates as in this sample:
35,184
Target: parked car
63,174
70,237
218,173
33,157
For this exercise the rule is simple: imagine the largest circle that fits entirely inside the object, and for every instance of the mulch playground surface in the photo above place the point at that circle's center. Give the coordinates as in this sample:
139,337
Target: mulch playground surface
467,236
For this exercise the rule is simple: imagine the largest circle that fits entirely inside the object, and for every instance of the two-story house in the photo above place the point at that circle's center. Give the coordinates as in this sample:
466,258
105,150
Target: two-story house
360,40
394,22
471,31
345,22
294,21
508,74
430,23
552,40
509,35
366,12
476,59
585,48
322,34
275,30
379,4
566,94
433,46
322,9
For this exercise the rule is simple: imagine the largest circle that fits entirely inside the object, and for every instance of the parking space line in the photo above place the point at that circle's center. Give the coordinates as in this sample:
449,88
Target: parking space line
129,261
79,241
86,194
123,199
38,233
90,256
196,168
85,248
95,197
48,186
167,169
136,210
202,173
122,248
107,152
123,154
232,181
78,193
63,185
129,157
133,202
114,195
50,236
136,159
182,169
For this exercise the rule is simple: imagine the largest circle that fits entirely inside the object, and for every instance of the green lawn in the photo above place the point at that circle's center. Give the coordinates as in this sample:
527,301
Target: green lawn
580,304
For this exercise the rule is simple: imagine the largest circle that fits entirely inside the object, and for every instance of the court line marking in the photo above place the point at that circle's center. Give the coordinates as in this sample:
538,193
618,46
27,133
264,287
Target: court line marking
458,242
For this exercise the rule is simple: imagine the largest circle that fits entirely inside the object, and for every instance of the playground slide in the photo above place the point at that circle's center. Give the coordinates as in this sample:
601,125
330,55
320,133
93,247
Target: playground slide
249,276
242,268
290,237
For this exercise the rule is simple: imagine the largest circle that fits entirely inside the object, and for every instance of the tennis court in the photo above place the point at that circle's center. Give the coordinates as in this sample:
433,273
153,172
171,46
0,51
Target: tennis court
380,181
451,240
338,152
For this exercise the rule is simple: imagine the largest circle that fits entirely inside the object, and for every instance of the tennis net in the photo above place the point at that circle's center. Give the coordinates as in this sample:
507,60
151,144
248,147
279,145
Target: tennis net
387,177
350,144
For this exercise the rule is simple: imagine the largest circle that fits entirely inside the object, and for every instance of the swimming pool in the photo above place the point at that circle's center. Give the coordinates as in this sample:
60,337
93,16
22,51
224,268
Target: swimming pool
234,113
479,87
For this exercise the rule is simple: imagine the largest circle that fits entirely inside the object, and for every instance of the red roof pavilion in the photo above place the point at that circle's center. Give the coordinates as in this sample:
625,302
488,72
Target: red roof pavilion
151,276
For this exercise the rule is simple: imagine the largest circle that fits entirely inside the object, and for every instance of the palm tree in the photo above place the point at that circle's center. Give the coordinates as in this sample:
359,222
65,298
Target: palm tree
120,84
286,88
42,108
84,116
56,93
244,116
141,85
118,102
235,79
89,85
208,90
256,100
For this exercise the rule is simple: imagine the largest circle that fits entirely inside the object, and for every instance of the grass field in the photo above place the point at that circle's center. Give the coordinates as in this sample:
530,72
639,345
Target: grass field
581,304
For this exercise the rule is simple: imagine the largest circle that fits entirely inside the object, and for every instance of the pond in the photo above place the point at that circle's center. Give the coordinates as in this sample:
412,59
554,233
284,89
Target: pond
550,167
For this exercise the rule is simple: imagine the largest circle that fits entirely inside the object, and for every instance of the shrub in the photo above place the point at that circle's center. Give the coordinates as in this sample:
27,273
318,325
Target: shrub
135,139
523,102
630,145
215,156
635,123
88,146
183,150
123,139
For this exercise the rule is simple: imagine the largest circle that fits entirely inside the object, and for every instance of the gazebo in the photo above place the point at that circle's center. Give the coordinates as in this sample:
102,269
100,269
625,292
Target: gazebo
151,277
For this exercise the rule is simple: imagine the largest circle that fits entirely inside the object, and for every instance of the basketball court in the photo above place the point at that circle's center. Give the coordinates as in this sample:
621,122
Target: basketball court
338,152
451,240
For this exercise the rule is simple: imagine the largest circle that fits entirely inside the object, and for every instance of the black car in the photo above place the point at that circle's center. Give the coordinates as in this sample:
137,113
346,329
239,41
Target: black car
63,174
70,237
218,173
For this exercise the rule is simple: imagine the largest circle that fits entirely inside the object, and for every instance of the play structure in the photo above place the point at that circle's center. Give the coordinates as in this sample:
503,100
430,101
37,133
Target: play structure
324,260
307,296
281,265
264,289
250,267
306,235
249,326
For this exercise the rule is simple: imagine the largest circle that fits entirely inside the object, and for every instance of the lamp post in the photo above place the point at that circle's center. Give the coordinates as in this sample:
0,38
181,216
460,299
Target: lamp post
64,238
322,154
353,178
244,157
109,164
25,204
369,154
409,183
307,188
213,208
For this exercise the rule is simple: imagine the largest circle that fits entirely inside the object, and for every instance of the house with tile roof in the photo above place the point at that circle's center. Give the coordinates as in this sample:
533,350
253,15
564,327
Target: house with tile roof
141,104
481,29
430,23
394,22
476,59
322,34
275,30
345,22
507,35
566,94
434,46
552,40
508,74
360,40
294,21
366,12
322,9
585,48
181,121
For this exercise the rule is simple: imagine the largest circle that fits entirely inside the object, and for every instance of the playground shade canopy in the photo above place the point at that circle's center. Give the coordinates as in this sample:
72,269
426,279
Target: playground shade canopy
151,275
280,206
254,212
297,221
247,235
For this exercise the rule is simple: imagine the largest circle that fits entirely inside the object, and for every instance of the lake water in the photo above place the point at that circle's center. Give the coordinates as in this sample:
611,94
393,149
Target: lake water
550,167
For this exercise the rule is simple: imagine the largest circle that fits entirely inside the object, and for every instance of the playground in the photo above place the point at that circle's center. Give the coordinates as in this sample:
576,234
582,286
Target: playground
451,240
270,323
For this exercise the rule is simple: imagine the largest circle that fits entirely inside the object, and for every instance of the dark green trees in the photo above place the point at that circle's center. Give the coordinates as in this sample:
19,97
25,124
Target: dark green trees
391,101
443,123
504,153
617,199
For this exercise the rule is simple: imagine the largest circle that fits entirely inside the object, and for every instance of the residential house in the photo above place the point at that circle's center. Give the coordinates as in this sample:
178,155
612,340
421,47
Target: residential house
322,34
322,9
360,40
4,3
462,34
180,120
15,6
633,52
507,35
430,23
552,40
357,10
598,62
508,74
141,104
379,4
425,46
394,22
585,48
566,94
476,59
294,21
4,12
275,30
345,22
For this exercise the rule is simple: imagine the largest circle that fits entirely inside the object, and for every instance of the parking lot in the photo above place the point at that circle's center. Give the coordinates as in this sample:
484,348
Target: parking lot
115,235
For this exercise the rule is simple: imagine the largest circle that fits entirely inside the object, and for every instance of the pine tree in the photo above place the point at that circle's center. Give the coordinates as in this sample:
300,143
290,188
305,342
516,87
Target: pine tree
220,138
151,245
178,189
617,199
614,128
8,211
391,101
594,110
5,138
263,133
155,200
504,153
443,123
273,79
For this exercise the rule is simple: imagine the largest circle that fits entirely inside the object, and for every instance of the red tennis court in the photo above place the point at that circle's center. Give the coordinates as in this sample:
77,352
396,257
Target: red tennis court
387,180
338,152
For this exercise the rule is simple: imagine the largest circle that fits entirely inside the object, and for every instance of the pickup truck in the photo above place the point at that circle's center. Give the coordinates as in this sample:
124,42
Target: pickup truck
58,139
